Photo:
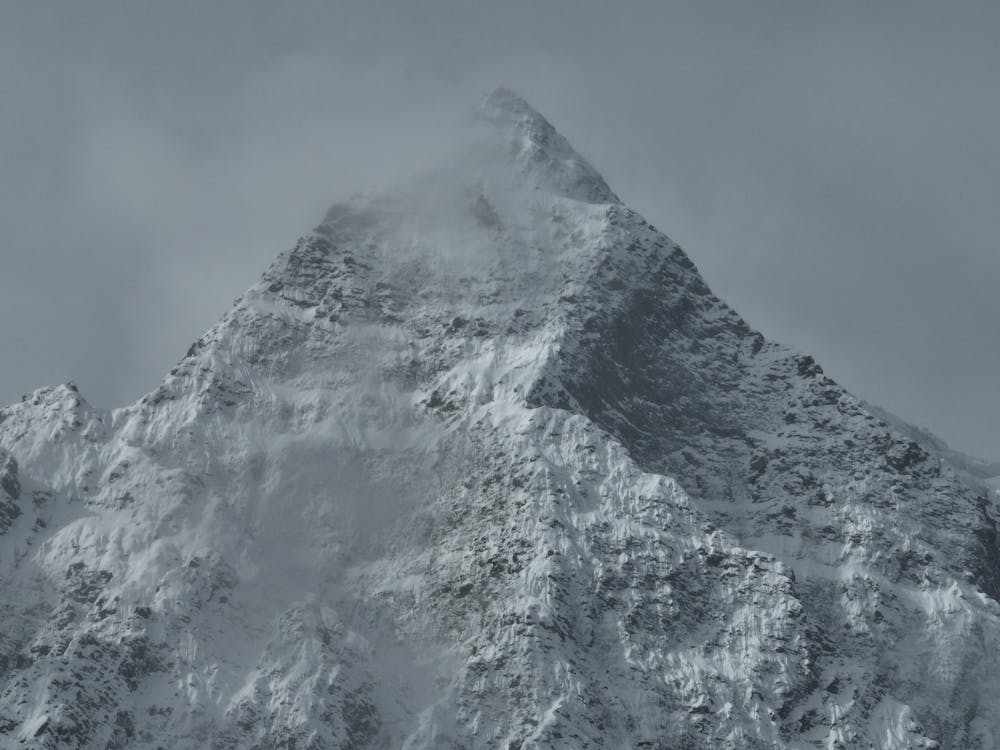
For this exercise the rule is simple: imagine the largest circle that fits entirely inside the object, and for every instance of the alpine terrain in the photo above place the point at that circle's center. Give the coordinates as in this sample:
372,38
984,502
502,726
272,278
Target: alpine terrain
482,463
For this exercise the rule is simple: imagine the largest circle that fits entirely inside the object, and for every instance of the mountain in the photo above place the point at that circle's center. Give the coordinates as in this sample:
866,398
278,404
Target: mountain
483,463
987,470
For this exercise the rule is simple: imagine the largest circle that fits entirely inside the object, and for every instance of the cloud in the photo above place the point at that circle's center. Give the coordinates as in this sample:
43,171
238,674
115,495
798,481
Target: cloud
831,169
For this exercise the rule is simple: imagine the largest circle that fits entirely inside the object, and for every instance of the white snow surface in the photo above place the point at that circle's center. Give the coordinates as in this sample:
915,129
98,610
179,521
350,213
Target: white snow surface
482,463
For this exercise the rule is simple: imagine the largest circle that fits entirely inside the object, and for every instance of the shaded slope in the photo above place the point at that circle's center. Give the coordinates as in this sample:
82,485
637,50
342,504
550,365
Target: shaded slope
481,462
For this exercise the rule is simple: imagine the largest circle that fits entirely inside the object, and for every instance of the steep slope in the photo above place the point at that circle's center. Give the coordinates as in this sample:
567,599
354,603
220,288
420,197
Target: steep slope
481,462
977,467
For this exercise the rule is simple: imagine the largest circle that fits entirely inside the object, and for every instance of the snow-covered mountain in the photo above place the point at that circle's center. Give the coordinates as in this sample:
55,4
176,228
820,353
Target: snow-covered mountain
483,463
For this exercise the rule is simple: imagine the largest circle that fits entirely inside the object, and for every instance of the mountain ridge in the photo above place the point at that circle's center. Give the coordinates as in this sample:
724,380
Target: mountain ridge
482,462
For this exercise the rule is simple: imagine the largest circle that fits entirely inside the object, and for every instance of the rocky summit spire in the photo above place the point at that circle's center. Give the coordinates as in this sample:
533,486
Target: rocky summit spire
483,463
544,150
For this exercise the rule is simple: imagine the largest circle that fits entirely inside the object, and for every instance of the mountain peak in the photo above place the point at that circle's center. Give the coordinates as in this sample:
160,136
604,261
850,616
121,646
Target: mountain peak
543,150
475,448
503,102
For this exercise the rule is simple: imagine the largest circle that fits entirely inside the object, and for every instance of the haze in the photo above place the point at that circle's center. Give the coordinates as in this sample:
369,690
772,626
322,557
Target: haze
832,170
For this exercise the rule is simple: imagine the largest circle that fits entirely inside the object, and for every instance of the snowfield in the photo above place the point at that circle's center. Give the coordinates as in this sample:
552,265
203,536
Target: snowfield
482,463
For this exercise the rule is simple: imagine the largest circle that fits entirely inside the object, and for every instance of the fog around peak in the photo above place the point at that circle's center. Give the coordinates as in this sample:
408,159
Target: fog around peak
832,171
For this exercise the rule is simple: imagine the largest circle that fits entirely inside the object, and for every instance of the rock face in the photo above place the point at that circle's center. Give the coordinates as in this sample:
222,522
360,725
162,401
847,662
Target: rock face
483,463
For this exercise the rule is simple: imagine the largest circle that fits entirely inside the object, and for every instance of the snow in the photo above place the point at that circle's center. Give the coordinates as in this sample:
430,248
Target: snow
481,462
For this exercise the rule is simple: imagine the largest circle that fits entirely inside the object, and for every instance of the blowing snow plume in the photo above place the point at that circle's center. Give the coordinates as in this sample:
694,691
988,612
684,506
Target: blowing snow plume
482,463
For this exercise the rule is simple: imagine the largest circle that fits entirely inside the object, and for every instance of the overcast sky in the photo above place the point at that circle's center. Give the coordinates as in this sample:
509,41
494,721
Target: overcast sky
833,168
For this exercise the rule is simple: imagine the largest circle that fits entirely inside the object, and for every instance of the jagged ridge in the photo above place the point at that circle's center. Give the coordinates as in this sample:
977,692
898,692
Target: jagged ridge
482,462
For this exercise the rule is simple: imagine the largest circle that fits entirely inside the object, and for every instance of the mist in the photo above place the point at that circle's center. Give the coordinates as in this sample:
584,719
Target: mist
832,171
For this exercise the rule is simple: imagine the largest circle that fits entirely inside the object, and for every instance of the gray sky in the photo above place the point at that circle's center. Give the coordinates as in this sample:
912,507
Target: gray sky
832,168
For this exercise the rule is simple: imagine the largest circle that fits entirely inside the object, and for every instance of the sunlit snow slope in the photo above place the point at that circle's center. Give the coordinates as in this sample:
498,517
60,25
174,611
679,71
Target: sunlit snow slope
482,463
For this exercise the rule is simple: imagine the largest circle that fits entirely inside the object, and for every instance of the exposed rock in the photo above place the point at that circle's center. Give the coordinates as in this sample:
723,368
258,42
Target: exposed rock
483,463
